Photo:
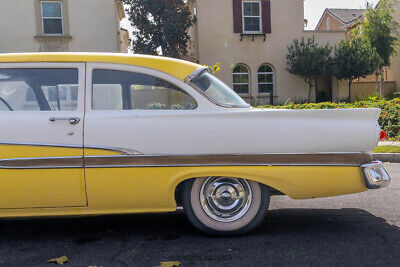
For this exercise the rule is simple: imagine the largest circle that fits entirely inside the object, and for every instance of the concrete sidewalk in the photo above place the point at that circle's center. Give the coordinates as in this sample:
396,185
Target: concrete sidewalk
388,143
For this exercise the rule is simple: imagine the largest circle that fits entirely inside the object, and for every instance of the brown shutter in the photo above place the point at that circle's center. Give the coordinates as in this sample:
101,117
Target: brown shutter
266,16
237,16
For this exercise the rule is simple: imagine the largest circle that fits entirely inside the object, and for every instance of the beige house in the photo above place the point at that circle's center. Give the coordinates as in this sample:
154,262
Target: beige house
249,39
334,19
339,19
62,25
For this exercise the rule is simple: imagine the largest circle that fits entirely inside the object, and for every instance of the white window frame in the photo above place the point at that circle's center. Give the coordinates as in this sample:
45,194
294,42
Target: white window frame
259,17
50,65
202,102
266,83
328,24
237,74
43,18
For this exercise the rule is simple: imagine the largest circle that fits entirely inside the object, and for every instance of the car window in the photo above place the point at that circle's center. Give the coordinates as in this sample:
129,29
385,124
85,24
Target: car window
33,89
123,90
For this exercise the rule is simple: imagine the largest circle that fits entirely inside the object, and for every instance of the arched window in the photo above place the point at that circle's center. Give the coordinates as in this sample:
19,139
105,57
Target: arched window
241,79
266,79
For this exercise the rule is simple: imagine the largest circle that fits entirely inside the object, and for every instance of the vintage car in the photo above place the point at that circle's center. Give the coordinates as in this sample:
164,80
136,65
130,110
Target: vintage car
94,134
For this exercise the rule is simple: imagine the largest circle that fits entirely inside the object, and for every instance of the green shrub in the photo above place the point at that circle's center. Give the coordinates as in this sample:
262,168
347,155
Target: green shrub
389,119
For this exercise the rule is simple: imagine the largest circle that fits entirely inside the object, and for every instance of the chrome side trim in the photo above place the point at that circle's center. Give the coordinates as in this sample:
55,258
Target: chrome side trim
39,144
124,151
131,161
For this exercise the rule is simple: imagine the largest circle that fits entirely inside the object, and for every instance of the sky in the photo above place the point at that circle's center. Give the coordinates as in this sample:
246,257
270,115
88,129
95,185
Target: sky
313,9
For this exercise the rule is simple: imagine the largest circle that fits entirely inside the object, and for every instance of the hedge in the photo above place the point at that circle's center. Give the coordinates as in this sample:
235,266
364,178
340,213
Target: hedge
389,119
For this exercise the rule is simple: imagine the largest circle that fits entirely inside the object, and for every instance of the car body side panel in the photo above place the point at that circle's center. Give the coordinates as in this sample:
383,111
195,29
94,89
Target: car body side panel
141,190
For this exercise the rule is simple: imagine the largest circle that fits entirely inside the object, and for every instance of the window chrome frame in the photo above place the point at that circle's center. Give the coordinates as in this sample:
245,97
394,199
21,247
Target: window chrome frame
199,71
90,66
79,66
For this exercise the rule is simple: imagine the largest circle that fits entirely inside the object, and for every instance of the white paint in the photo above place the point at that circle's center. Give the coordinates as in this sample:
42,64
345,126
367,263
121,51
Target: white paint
215,130
35,126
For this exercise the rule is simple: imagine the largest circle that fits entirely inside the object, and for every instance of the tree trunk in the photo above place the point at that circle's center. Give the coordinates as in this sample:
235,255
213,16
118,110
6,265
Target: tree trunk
316,89
309,92
382,82
350,81
377,83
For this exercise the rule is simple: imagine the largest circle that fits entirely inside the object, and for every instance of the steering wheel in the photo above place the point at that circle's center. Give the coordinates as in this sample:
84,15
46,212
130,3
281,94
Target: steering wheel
6,104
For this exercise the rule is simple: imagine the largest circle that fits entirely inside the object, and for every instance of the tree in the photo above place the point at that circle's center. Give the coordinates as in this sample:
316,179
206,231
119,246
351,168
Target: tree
380,29
308,60
354,58
160,25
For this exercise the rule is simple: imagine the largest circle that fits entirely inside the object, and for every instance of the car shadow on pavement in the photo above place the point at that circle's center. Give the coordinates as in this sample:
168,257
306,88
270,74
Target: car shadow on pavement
287,236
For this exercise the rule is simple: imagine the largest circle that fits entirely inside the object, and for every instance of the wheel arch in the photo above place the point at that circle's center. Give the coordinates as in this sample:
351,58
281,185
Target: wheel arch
178,187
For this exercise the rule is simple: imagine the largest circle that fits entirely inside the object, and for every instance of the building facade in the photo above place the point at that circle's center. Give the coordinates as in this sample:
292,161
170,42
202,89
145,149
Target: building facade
339,19
334,19
62,26
249,38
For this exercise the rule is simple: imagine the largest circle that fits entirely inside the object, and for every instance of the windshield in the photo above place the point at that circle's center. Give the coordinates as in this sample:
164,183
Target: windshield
217,90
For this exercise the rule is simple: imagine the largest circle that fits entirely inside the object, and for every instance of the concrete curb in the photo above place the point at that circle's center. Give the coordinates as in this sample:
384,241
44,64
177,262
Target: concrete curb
387,157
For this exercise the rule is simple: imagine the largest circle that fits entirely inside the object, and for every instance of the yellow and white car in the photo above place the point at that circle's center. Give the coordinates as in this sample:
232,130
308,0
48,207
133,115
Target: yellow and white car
92,134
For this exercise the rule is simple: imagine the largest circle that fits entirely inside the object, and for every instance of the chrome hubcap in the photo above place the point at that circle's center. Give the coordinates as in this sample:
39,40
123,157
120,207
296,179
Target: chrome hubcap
225,199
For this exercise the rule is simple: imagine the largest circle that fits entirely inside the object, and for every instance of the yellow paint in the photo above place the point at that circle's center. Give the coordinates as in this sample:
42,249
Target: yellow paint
26,151
29,151
41,188
177,68
139,190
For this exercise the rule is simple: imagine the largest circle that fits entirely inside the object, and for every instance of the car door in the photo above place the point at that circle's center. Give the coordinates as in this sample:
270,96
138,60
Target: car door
129,111
41,135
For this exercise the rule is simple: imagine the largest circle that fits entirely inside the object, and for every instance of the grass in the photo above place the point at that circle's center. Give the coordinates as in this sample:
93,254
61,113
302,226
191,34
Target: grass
387,149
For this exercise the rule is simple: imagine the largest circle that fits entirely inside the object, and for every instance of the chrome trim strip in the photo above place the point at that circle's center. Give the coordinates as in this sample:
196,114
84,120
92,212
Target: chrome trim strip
195,73
188,81
124,151
131,161
39,144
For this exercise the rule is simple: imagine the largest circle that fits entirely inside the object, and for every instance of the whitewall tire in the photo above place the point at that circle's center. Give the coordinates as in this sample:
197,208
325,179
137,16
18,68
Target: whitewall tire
225,205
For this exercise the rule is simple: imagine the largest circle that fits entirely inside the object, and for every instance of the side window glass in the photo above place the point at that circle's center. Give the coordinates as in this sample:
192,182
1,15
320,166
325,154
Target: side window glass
38,89
122,90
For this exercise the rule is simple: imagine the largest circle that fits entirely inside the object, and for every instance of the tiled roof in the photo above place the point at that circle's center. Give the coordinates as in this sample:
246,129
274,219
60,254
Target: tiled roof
346,16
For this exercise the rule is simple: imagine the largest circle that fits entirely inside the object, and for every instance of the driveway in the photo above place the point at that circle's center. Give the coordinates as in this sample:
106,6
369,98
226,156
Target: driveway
362,229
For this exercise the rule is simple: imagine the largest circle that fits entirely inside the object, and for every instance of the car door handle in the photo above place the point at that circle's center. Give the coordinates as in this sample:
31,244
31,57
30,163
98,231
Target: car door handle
72,120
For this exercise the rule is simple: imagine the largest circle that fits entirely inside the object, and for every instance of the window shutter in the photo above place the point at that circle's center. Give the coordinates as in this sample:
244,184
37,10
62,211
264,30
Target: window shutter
266,16
237,16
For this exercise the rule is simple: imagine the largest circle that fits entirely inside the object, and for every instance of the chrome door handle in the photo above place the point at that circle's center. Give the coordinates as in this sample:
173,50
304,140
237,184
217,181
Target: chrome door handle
72,120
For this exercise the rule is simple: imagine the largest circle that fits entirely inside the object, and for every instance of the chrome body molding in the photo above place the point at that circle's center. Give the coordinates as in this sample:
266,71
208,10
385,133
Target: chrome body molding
129,161
123,151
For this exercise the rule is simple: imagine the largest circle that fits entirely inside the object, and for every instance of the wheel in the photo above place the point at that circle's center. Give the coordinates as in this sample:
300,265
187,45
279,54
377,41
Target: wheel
225,206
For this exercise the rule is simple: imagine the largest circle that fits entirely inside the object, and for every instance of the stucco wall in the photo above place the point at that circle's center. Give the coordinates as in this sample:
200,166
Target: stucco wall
93,26
218,43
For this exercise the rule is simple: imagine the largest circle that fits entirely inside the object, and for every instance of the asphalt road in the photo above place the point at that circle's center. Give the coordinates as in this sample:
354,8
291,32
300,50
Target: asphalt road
362,229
